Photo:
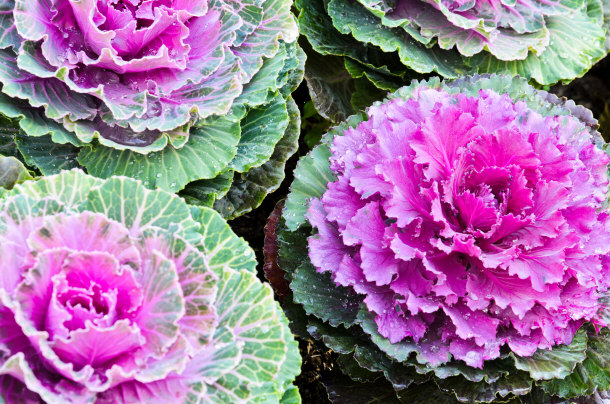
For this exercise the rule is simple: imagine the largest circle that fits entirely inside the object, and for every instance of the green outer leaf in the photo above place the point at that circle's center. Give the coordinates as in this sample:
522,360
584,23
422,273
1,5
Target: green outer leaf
249,189
211,146
71,188
9,128
590,375
366,94
353,18
9,36
380,79
130,203
292,72
554,363
563,60
321,297
49,157
515,383
317,27
12,172
34,122
272,76
605,5
291,396
312,176
246,306
205,192
220,244
261,129
330,86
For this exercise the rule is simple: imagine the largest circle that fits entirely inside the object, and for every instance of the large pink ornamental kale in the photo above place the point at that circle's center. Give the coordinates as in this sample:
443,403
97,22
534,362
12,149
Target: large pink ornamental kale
136,69
111,293
469,222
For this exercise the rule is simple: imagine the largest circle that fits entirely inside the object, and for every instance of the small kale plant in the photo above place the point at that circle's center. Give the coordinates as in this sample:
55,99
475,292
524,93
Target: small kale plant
182,95
360,49
113,293
451,244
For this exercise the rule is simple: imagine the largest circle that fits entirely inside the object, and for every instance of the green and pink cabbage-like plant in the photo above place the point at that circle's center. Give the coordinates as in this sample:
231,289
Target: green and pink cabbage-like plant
165,91
113,293
378,45
451,243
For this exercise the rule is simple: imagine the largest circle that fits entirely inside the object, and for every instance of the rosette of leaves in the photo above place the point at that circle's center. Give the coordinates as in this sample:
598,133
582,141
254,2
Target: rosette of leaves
166,92
451,244
114,293
361,48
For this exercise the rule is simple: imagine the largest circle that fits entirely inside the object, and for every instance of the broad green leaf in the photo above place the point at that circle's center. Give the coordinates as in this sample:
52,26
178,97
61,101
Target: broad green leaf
292,72
34,122
316,25
366,93
246,307
223,248
291,396
378,77
554,363
211,146
311,177
563,59
129,202
293,249
277,23
205,192
222,355
261,129
249,189
12,172
277,390
590,375
284,67
49,157
350,367
264,82
322,298
9,36
353,18
21,208
9,128
514,383
330,86
69,187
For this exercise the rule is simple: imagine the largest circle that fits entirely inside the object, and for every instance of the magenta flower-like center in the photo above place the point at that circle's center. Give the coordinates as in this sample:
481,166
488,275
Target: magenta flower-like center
466,222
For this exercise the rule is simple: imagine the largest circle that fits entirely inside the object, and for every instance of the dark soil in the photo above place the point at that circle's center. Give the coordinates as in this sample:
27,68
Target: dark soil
591,91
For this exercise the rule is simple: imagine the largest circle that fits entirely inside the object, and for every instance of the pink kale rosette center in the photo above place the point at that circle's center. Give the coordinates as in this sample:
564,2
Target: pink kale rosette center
468,223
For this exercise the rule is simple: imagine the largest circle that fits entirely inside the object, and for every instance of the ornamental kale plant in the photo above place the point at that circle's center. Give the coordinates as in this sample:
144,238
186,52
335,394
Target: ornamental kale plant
167,92
453,240
374,43
113,293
